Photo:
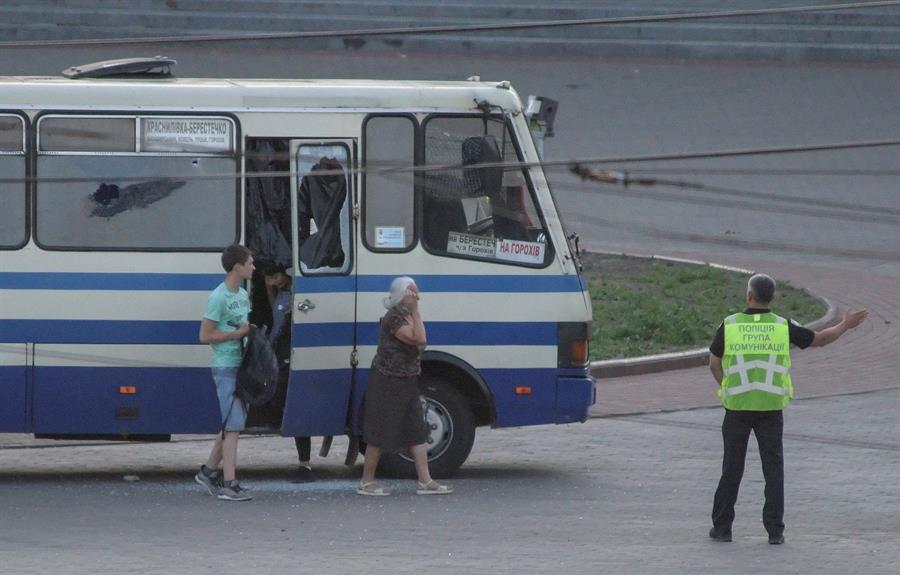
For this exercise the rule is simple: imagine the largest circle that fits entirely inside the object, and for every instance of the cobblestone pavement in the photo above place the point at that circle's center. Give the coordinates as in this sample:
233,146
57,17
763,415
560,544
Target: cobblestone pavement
627,494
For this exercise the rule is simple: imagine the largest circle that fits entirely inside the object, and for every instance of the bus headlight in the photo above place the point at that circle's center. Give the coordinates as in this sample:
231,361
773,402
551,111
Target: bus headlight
573,343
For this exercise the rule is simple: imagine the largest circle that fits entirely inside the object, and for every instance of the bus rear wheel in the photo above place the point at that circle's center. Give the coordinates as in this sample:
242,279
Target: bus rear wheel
451,433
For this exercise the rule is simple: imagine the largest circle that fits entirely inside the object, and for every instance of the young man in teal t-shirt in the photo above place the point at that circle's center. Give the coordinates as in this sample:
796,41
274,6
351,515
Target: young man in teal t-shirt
223,326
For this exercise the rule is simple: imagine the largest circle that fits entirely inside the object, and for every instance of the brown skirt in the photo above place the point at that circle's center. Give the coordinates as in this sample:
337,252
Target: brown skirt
393,415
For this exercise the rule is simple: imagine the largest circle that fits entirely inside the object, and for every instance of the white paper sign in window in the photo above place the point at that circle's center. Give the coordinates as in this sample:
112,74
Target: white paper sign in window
469,245
520,251
390,237
172,134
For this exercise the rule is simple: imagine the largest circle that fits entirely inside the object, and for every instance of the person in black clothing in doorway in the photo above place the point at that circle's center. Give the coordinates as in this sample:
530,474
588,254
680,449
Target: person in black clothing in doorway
320,198
278,291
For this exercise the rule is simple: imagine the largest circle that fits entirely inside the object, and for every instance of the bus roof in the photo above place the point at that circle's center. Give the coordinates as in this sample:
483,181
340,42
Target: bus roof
48,93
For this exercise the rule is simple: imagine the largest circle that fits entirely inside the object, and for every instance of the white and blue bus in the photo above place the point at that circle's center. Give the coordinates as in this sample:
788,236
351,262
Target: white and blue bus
119,192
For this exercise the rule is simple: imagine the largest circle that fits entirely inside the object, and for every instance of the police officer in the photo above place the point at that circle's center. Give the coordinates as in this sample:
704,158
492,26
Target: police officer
750,359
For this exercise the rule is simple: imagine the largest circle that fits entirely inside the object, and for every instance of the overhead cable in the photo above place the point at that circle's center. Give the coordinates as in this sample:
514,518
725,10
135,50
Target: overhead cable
730,241
385,168
808,206
428,30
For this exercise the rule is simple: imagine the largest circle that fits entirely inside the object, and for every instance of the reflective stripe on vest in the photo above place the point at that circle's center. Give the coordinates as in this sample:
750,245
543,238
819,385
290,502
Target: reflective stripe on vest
756,363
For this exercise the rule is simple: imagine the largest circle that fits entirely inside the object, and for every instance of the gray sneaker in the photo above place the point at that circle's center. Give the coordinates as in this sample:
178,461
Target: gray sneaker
211,479
232,491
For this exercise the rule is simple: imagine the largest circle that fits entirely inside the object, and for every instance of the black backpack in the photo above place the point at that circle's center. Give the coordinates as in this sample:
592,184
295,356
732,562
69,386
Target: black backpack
257,377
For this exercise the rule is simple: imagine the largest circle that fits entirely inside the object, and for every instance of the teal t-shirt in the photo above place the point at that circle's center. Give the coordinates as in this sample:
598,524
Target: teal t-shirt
229,310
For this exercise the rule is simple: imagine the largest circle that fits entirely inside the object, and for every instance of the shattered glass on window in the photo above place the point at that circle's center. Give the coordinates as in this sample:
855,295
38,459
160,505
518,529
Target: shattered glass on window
323,212
171,205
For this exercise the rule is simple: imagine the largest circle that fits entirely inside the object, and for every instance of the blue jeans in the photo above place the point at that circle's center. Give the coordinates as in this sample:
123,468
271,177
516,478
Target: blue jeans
232,409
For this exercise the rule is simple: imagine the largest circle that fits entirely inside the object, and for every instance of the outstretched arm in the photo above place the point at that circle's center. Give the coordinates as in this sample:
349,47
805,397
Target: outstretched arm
852,318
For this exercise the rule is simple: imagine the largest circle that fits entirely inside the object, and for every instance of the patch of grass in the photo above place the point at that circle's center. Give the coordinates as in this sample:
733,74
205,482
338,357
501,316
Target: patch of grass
644,306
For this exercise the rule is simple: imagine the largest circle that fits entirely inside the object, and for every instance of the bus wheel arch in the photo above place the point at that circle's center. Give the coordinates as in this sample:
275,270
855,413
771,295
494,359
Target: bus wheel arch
455,405
465,379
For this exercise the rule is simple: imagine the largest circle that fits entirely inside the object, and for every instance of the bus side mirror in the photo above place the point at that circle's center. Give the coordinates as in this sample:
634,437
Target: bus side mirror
541,114
541,111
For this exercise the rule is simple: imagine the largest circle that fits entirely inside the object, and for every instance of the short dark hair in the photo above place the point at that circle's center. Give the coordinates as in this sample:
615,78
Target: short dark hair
233,255
762,288
268,268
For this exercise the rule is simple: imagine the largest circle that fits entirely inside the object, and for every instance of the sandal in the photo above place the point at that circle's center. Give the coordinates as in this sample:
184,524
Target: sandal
372,488
432,488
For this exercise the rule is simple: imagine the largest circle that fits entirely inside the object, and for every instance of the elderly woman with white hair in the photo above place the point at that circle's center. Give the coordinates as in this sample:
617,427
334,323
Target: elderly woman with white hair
393,417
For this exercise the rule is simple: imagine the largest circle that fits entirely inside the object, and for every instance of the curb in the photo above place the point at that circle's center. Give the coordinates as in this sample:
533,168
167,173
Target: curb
645,364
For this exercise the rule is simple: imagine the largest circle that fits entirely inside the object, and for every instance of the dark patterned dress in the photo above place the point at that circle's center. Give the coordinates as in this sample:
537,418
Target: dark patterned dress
393,415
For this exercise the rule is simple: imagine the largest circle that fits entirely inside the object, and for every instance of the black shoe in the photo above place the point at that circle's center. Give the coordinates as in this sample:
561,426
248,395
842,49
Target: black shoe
305,475
723,536
776,539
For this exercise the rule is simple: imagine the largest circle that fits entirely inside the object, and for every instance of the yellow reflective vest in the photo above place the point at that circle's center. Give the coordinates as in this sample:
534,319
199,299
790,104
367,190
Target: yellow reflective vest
756,364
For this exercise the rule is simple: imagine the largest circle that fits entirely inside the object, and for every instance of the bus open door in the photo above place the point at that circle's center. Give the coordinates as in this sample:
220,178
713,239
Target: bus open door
324,310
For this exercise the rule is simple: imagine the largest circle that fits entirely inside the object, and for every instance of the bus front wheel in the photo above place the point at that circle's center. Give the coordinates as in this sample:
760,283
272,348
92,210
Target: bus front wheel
451,432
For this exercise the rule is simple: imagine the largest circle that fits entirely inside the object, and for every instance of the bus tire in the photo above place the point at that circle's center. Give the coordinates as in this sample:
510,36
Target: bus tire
451,433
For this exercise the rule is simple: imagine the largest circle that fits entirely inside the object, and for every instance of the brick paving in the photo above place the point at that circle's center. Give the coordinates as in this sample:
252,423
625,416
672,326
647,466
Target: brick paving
865,359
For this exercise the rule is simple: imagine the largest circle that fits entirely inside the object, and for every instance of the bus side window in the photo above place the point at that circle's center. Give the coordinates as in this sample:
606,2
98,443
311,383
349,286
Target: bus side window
12,194
110,186
323,230
488,182
483,209
388,199
321,199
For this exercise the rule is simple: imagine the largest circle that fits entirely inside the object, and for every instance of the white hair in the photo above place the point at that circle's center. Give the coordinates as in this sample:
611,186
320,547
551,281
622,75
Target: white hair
762,288
398,290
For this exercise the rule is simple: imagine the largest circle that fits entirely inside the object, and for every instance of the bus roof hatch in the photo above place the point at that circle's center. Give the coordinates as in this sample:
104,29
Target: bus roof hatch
157,66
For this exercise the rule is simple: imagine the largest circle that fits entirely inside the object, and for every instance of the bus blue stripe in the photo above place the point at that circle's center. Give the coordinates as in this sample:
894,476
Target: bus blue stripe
70,399
305,335
336,284
104,281
98,331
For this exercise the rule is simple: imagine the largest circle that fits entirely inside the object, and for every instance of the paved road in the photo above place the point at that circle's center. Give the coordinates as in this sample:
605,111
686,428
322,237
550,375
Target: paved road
619,495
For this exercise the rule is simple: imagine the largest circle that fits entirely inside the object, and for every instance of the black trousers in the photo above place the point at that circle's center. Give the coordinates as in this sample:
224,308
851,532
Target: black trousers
768,427
303,444
304,447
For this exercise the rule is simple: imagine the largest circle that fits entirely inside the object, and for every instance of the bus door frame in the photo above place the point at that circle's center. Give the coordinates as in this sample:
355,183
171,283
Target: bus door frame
323,342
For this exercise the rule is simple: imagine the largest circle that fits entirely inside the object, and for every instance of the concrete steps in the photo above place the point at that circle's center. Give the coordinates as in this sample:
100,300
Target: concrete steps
856,35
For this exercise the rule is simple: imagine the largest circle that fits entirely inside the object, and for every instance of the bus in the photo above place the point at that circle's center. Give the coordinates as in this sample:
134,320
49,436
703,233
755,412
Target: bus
121,183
